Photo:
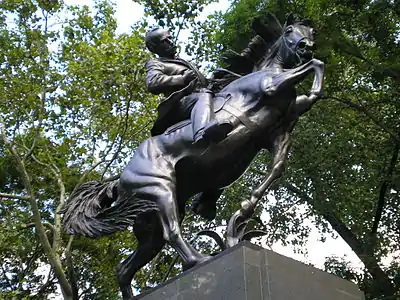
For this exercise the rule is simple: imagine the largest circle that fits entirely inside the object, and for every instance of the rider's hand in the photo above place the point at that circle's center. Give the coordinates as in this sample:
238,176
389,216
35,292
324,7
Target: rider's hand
188,76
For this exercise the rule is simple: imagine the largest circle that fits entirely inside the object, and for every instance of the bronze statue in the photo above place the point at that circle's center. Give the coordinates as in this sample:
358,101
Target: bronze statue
166,170
185,88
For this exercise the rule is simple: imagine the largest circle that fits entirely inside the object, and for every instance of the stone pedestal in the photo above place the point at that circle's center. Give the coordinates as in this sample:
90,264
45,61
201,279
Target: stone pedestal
249,272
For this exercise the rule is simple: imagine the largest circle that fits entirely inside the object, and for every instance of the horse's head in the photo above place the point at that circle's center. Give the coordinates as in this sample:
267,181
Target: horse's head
297,42
294,46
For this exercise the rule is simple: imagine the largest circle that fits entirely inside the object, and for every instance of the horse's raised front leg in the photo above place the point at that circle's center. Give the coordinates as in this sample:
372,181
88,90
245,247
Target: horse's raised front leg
294,76
304,103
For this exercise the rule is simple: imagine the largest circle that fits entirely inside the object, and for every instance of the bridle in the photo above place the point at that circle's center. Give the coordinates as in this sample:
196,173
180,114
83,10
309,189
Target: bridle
295,50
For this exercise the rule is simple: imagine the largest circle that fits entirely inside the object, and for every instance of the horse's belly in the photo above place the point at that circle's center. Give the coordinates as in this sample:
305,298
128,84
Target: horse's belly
233,165
219,167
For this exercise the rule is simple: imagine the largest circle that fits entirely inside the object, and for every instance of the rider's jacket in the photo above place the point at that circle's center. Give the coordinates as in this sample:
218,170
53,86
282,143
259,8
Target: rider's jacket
164,75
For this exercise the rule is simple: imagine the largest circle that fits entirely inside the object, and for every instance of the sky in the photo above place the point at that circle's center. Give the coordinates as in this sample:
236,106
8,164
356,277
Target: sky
127,13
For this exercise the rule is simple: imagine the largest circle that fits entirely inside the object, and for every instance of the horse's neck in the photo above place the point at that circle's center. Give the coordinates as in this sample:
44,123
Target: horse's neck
275,63
282,60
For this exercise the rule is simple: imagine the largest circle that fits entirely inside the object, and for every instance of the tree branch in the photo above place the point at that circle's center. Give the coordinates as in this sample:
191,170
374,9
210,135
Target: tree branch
369,260
57,218
377,67
52,255
382,193
31,259
94,166
121,140
45,224
49,282
362,109
6,277
10,196
70,269
112,178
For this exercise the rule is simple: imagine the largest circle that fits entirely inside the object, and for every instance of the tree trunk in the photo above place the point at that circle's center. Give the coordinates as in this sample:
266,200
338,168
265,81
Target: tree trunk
382,284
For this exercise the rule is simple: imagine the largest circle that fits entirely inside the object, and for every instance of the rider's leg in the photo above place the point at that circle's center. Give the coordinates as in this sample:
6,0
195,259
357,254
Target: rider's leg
204,125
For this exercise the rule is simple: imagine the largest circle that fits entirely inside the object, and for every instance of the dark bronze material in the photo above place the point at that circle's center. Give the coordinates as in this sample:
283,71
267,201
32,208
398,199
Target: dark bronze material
168,169
185,88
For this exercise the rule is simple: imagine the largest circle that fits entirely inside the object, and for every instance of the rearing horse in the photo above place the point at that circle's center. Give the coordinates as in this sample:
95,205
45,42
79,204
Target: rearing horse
167,170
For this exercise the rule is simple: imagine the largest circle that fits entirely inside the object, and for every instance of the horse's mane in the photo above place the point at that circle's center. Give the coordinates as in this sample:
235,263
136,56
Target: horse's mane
269,56
268,31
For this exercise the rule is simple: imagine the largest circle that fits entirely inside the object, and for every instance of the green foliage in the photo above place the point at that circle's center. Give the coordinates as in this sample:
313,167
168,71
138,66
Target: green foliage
343,167
175,15
74,107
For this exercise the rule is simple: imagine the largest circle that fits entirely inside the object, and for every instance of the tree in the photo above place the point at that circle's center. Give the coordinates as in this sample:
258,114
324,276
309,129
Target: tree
73,107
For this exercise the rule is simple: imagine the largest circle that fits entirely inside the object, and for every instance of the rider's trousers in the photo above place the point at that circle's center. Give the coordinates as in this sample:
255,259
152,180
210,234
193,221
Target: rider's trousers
202,112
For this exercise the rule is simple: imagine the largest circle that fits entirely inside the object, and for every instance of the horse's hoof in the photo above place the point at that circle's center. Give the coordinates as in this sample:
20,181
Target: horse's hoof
246,205
191,264
200,142
320,94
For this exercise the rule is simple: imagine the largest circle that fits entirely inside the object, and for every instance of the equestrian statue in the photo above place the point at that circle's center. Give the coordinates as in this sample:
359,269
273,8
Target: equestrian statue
205,137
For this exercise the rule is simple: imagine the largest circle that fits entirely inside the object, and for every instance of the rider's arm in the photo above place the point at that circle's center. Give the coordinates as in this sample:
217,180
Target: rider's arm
158,82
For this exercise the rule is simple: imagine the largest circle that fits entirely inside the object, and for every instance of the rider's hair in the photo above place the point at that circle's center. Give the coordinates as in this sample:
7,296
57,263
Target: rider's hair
151,41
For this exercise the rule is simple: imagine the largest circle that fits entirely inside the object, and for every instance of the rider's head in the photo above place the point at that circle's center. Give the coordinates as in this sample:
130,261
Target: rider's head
159,41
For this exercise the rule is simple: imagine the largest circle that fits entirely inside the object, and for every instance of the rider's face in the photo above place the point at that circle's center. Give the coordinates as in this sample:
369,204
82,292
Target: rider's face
166,45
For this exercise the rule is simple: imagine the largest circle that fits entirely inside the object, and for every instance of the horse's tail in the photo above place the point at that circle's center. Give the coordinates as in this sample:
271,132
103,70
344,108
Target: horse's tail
95,209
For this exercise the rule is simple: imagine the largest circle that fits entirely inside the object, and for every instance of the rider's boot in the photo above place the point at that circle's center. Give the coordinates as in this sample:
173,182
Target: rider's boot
205,128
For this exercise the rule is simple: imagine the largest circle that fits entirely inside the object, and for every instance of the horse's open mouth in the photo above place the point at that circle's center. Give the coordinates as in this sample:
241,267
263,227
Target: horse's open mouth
305,55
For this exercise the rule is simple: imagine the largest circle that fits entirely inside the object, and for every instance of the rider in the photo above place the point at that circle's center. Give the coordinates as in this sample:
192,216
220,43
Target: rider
185,89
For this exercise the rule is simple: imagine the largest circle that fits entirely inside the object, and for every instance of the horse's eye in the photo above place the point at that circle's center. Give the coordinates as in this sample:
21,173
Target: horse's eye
289,29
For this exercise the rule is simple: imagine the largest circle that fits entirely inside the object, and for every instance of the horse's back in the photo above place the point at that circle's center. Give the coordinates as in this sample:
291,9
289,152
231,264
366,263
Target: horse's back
147,166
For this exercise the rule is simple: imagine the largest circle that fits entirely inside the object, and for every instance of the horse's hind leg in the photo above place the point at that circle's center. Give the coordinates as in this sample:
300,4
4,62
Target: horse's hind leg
169,217
149,244
154,180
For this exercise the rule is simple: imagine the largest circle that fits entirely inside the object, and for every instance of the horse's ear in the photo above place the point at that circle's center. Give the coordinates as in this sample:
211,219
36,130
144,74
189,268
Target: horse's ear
289,20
